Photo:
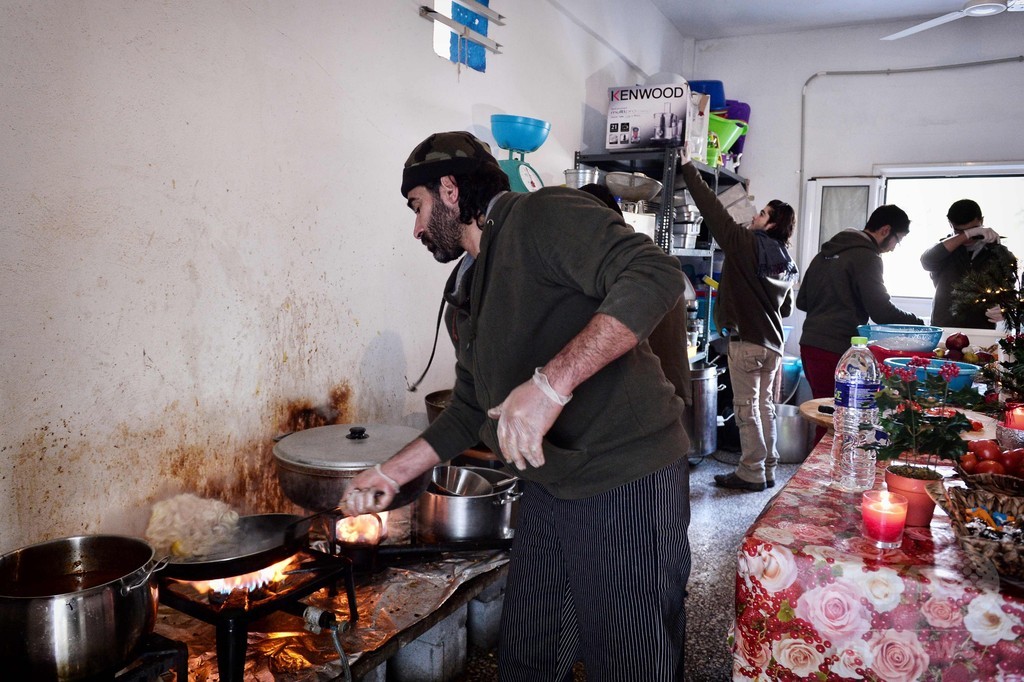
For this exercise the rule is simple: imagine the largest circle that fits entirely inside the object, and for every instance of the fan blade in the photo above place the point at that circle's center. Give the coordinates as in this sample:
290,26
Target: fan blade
938,21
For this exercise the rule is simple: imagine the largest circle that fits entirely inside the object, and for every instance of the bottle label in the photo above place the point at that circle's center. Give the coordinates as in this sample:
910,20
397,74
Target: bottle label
856,395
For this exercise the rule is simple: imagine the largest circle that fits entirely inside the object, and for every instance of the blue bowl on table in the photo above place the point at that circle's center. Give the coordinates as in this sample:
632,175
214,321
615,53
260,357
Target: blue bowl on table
961,381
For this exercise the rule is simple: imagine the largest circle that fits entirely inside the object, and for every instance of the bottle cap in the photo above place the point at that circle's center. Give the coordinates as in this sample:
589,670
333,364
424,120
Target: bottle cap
859,340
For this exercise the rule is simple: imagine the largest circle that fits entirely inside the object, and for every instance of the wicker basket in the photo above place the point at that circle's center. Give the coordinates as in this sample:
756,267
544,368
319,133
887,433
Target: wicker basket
996,483
1006,557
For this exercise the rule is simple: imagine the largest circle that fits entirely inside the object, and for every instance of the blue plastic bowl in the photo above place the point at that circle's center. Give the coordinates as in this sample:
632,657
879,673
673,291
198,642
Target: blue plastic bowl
914,337
519,133
962,380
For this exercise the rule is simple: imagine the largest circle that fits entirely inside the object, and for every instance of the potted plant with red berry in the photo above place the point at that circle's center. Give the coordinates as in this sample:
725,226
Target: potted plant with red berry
921,430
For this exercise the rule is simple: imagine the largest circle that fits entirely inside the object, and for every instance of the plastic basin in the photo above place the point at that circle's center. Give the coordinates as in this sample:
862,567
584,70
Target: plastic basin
902,336
961,381
882,353
728,131
519,133
714,89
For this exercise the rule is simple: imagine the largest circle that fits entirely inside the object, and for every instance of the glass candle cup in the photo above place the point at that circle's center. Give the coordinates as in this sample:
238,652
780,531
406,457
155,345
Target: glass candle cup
884,515
1014,418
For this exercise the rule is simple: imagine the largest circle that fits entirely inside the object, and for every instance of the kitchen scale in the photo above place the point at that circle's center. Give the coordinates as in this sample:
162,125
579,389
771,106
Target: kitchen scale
519,135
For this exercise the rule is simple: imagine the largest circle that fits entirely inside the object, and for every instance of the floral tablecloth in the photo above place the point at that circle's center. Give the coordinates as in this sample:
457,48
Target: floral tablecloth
815,601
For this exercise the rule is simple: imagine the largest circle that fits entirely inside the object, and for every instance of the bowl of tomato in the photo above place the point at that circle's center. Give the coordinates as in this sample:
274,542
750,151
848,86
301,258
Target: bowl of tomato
987,466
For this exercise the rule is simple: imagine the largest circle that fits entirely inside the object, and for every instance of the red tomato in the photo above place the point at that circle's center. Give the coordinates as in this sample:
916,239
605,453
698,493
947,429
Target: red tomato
989,466
1011,459
968,462
972,445
984,449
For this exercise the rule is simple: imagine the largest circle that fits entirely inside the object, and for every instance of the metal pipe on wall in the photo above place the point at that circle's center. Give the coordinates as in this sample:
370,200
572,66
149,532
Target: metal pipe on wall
872,72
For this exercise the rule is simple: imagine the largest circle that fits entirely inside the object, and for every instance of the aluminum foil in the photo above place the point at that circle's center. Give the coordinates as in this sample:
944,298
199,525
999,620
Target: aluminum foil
279,650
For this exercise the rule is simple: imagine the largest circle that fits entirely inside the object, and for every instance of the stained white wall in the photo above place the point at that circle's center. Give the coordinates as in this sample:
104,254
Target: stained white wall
855,122
203,237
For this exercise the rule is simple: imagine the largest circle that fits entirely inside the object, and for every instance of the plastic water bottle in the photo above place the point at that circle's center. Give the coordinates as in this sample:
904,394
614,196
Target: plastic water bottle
858,378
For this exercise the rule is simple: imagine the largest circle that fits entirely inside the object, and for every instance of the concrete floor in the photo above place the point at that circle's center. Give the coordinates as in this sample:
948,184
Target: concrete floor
719,519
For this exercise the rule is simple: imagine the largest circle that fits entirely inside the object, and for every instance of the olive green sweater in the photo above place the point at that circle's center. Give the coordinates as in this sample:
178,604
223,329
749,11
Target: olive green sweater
751,303
549,261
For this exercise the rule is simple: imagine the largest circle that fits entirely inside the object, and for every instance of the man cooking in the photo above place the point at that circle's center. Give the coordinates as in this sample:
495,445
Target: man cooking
549,310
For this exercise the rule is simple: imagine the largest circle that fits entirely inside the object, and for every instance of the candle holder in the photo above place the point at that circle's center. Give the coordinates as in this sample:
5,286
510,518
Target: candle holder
884,516
1013,417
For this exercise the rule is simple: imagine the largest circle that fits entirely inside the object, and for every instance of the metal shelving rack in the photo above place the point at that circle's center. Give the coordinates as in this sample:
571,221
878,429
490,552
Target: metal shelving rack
663,163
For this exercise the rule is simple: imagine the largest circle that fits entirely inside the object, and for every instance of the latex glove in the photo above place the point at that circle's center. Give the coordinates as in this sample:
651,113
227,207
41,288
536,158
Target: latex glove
994,314
523,419
983,234
368,492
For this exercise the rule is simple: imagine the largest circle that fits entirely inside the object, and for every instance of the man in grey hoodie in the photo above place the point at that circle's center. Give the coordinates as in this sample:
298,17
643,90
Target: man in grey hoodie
842,288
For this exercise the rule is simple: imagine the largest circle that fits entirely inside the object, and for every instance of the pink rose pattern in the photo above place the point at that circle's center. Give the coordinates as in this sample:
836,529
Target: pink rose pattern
828,606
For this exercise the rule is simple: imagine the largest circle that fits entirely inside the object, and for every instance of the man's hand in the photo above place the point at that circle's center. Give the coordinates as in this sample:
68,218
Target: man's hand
368,492
684,153
374,490
523,419
984,234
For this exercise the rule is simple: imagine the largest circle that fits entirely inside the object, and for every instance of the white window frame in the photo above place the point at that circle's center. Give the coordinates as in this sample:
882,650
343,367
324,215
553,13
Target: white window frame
876,182
810,243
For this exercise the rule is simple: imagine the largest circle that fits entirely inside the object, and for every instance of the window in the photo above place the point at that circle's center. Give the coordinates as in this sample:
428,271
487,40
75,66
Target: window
926,201
925,193
460,47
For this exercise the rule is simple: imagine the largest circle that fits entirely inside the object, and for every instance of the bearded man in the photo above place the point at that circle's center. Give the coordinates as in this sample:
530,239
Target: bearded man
549,310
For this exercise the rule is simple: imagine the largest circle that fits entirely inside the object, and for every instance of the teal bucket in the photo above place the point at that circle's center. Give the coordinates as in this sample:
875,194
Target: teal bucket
792,370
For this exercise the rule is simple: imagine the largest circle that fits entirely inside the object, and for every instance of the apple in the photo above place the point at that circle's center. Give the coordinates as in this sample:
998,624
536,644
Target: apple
957,341
954,355
984,357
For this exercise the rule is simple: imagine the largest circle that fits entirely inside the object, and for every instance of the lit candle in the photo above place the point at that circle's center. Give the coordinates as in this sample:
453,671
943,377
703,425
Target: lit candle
884,515
1014,416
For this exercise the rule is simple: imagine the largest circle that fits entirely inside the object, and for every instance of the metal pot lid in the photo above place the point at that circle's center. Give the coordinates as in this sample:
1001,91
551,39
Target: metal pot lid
343,447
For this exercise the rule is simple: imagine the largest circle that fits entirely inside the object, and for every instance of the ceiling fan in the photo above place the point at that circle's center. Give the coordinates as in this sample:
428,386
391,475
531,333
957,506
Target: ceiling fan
972,8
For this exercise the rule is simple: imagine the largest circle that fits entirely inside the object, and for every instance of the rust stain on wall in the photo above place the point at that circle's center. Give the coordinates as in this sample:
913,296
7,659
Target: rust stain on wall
248,481
58,462
243,477
300,415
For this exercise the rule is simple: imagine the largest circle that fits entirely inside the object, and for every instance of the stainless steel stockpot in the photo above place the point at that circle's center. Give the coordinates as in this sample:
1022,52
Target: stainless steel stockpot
75,608
314,466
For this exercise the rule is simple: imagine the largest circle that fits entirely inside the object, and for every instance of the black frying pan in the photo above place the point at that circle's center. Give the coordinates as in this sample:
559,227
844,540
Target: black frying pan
259,541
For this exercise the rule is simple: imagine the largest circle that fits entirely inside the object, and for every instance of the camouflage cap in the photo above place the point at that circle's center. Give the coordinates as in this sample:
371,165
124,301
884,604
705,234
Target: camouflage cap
452,153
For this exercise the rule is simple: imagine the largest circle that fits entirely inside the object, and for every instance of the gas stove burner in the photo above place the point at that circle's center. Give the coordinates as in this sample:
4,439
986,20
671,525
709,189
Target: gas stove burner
232,612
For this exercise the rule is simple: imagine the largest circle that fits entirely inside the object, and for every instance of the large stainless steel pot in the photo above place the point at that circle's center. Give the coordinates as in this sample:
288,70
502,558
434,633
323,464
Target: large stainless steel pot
76,607
701,420
314,466
459,518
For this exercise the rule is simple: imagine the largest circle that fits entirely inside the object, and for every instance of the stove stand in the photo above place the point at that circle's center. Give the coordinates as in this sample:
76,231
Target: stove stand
317,570
155,656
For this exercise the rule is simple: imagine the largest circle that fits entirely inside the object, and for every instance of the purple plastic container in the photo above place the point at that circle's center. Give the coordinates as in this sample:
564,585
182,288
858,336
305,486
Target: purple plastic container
737,111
